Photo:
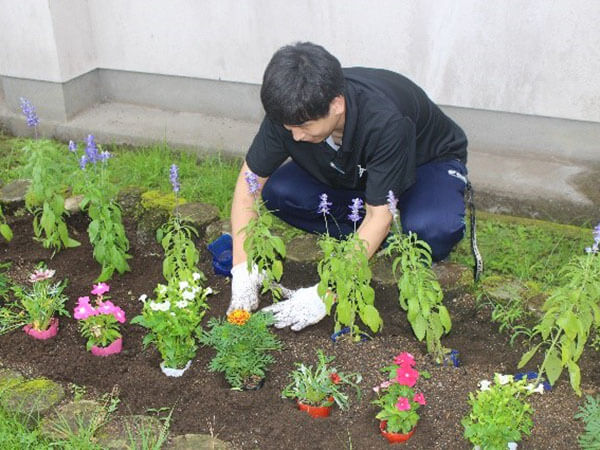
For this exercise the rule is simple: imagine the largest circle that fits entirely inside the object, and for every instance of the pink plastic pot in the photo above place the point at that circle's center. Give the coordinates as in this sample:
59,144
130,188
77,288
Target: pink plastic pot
43,334
115,347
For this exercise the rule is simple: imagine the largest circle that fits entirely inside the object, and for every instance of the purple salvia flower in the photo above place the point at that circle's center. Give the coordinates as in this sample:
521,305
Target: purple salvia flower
356,205
29,112
392,202
104,155
82,162
174,178
596,245
72,147
91,150
252,180
323,204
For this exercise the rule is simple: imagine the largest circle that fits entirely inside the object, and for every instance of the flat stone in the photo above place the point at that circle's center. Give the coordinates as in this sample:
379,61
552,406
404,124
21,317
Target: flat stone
304,249
131,432
449,274
199,214
70,418
215,229
73,204
14,192
34,397
129,199
503,289
9,378
198,442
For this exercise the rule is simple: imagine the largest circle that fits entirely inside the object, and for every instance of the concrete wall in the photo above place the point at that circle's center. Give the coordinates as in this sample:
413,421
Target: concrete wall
538,57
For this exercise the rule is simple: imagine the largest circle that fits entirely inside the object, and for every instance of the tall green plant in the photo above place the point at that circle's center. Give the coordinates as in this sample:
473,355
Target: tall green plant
571,313
44,198
264,250
419,290
106,230
5,230
345,276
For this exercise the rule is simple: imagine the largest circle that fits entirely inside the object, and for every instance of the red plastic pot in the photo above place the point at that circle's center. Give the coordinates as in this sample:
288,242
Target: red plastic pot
394,438
43,334
114,347
315,411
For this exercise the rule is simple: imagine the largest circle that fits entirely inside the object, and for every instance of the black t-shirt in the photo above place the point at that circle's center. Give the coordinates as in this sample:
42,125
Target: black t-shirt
391,127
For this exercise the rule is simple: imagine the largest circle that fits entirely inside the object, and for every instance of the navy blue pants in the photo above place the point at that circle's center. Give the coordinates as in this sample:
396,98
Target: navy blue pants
433,207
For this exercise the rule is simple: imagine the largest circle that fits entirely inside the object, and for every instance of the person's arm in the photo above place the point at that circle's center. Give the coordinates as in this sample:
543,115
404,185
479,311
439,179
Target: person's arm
375,227
242,212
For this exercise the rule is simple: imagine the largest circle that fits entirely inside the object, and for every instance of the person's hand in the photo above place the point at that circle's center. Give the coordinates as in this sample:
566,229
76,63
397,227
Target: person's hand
244,287
303,308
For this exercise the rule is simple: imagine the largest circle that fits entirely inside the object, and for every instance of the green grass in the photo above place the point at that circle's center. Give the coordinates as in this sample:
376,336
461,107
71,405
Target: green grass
15,435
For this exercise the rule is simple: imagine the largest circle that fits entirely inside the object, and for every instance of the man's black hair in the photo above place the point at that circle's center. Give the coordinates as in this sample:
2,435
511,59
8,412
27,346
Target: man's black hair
300,82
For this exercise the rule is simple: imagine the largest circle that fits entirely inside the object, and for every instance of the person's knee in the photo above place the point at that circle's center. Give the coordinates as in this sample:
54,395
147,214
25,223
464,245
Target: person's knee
441,235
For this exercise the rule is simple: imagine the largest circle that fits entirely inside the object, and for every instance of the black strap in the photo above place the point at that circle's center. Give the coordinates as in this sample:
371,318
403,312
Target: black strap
478,269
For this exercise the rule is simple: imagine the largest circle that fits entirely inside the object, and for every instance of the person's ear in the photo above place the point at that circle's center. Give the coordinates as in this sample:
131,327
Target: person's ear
337,105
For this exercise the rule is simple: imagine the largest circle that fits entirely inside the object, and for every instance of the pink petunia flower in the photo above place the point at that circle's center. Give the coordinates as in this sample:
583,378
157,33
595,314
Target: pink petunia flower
403,404
100,289
420,399
407,376
405,359
119,314
106,307
83,310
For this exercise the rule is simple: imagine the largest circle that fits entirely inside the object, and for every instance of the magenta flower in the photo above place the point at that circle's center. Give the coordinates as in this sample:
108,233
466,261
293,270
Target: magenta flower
83,310
405,359
119,314
420,399
407,376
403,404
106,307
383,385
100,289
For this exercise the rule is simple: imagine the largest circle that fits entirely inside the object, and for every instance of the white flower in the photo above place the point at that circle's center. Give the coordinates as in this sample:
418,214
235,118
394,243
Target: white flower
165,306
182,304
208,290
162,289
196,276
512,446
533,389
183,285
484,385
504,379
188,295
154,306
143,298
160,306
173,314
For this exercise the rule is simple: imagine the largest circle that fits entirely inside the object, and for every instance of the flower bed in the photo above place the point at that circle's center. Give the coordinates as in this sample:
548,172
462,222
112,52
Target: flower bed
250,419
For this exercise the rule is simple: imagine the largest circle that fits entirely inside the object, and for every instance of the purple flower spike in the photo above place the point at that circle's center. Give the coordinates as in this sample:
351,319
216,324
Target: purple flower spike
104,155
29,112
252,180
91,150
392,204
174,178
595,246
72,147
82,162
324,204
356,205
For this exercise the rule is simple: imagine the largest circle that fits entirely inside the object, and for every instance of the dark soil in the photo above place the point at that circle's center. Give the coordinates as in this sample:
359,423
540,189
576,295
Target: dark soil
202,401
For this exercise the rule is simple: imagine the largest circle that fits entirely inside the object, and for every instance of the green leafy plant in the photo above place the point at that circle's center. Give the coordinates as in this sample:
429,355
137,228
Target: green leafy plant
106,230
264,250
499,413
99,324
345,277
419,290
5,230
571,313
45,196
242,342
397,396
322,387
181,255
43,300
173,319
590,414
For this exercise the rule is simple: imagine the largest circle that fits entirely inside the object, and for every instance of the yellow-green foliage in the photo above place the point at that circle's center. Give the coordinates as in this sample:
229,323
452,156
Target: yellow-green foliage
158,200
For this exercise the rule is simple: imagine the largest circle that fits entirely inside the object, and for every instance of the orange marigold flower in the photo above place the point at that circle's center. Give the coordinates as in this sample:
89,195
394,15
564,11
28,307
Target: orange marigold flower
238,317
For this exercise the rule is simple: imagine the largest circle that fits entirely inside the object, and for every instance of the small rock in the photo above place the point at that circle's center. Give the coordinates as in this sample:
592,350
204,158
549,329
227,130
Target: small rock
9,378
14,192
34,397
71,418
215,229
199,214
198,442
303,249
73,204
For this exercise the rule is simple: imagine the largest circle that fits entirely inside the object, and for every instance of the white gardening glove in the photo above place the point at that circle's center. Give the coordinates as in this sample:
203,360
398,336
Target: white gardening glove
244,287
304,308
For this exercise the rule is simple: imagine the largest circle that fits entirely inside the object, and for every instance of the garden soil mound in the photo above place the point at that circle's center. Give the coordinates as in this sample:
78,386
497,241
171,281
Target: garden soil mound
202,401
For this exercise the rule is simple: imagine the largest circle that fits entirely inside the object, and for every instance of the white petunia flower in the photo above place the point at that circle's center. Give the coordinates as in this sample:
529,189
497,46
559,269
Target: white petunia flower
143,298
504,379
154,306
196,276
484,385
188,295
183,285
182,303
539,389
165,305
162,289
512,446
209,290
